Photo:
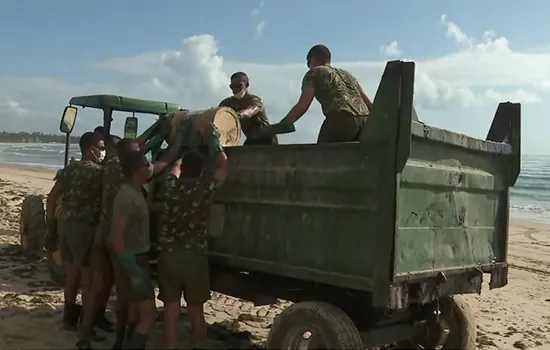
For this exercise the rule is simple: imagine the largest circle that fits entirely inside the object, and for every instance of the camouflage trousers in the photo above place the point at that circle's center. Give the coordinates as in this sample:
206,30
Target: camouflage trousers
341,127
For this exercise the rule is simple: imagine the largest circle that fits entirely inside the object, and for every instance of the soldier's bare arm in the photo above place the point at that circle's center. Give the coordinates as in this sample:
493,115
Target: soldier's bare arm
220,174
53,197
176,169
304,102
256,105
160,165
119,222
365,98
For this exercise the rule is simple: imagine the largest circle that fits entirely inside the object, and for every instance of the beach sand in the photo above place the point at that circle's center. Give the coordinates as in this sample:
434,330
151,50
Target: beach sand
514,317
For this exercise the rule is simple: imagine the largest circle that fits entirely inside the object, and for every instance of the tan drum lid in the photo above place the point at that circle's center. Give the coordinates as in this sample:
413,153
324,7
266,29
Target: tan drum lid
224,118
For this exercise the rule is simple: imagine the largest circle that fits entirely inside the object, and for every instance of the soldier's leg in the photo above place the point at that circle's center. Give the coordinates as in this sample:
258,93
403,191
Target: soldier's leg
102,278
143,298
169,276
196,292
80,243
102,282
124,327
71,312
335,129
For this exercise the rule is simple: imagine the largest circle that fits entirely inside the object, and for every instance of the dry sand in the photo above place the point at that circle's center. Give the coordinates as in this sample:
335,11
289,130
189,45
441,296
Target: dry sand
514,317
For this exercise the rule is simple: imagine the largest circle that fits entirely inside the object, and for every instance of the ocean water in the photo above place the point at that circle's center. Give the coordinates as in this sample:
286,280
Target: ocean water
530,197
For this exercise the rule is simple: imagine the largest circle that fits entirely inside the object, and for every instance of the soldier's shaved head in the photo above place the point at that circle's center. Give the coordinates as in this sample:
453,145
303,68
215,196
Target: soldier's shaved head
239,84
319,53
239,76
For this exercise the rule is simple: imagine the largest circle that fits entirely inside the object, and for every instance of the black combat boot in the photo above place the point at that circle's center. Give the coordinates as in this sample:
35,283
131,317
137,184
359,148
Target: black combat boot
85,338
119,339
102,322
138,341
71,316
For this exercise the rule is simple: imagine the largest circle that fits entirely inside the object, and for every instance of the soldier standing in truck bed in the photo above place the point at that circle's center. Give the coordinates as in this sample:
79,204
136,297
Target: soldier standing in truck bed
251,110
344,103
80,185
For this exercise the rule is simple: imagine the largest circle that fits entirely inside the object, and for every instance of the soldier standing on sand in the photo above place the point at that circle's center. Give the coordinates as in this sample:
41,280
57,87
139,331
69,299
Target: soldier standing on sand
80,185
100,258
130,242
113,179
182,240
344,103
251,110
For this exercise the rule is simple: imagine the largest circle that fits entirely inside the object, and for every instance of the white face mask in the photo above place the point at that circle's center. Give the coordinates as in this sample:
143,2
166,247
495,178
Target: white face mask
101,155
240,94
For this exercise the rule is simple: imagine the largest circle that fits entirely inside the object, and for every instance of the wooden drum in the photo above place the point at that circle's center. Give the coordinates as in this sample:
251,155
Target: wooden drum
224,118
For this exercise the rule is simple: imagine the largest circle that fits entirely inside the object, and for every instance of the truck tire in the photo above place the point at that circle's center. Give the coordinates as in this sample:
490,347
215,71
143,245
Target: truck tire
460,321
313,324
55,265
32,226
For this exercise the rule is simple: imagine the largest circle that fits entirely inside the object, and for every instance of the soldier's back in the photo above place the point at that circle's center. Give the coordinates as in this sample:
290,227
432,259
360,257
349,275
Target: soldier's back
111,182
81,184
337,90
186,209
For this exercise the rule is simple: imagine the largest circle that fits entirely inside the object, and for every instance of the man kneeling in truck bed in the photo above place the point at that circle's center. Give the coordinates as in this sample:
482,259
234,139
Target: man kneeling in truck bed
182,259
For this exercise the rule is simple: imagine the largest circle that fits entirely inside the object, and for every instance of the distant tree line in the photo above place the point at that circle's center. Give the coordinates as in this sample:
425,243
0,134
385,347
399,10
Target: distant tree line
34,137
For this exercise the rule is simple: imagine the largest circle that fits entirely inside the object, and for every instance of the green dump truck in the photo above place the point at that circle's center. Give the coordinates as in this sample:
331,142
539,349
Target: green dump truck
373,241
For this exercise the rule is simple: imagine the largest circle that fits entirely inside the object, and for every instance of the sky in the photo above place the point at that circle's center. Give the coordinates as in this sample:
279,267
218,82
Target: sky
469,56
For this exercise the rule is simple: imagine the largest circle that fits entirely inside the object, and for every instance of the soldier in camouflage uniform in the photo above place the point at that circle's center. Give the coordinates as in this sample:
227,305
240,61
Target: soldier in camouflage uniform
80,185
182,242
251,110
344,103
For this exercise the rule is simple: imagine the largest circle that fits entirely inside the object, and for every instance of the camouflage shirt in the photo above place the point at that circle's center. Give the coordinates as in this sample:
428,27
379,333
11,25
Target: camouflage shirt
336,90
112,180
248,101
185,212
81,191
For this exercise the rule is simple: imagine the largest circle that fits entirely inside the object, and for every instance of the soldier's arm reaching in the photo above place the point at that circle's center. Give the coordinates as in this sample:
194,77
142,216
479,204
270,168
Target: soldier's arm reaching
304,102
173,154
365,98
255,106
220,174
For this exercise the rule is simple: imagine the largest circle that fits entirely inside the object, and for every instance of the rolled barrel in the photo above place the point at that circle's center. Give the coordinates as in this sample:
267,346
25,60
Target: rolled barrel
224,118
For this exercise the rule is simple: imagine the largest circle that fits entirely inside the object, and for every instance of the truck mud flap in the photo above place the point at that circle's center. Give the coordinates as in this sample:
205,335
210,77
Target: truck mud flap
423,292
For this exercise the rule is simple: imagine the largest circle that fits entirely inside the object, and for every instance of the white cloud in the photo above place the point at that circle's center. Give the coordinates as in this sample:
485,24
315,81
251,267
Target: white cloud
256,11
260,23
391,50
260,29
520,95
463,83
